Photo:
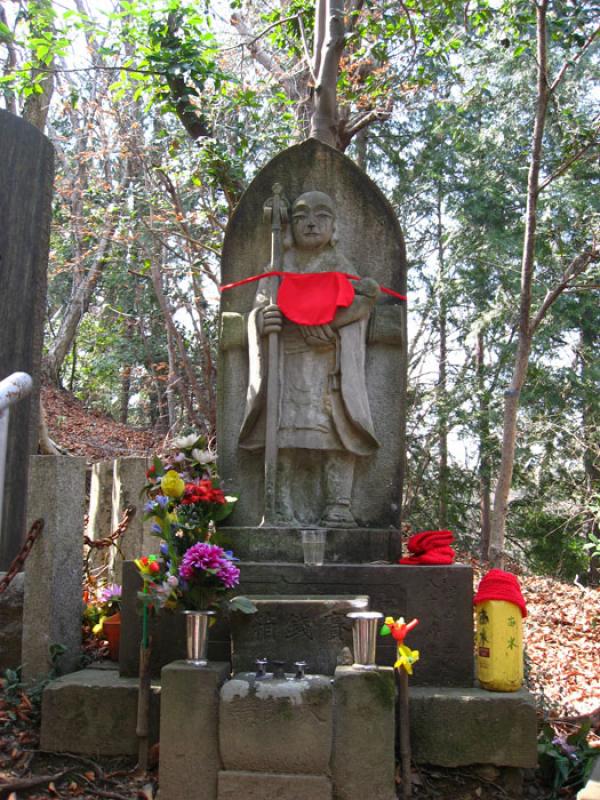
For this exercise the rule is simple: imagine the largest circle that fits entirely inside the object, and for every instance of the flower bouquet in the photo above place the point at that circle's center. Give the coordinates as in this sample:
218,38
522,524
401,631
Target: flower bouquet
185,502
103,614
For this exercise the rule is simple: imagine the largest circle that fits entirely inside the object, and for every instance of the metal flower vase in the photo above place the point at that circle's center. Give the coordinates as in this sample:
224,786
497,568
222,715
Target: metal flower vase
364,637
197,624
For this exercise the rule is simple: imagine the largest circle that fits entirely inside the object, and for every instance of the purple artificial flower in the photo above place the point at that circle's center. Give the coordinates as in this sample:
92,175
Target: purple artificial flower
155,528
149,507
162,500
164,549
199,557
228,574
111,592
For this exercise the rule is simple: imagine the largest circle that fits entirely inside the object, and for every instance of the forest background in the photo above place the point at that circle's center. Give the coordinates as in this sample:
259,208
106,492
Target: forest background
480,122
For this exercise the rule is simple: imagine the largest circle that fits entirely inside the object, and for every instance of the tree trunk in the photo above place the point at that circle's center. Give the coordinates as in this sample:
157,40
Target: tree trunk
485,482
328,48
591,429
512,394
78,305
442,389
35,109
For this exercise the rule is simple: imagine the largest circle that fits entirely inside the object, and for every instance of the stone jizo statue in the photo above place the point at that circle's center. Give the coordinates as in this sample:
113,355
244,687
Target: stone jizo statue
324,421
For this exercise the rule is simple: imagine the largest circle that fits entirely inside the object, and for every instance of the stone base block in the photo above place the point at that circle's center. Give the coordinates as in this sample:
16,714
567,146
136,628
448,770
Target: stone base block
272,786
94,712
456,727
363,760
189,739
276,725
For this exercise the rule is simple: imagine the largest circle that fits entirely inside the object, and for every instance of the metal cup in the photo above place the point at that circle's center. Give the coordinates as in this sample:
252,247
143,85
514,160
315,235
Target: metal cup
196,625
364,636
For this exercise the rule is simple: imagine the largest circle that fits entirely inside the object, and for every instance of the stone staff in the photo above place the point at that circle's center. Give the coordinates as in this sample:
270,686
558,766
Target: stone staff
275,212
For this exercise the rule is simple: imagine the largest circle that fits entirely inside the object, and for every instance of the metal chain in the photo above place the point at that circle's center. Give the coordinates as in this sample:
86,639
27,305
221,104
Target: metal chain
96,544
108,541
19,561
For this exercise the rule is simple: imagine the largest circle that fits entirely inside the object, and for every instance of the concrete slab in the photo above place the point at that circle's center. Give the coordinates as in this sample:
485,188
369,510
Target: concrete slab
94,712
454,727
270,786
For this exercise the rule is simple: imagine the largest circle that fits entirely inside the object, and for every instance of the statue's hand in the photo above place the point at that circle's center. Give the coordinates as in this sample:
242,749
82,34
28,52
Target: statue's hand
270,320
318,334
367,287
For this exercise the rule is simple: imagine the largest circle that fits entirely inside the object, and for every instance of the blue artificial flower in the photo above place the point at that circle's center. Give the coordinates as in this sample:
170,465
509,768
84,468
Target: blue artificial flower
149,507
155,528
230,556
162,500
164,549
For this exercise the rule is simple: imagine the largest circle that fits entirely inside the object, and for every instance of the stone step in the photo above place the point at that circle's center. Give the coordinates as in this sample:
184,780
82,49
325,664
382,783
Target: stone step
453,727
94,712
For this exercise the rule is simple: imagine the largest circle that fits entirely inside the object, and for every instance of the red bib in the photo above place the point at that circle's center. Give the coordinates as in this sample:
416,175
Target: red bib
313,298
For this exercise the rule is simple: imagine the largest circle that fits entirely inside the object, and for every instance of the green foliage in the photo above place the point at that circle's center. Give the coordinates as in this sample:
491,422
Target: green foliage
566,761
552,542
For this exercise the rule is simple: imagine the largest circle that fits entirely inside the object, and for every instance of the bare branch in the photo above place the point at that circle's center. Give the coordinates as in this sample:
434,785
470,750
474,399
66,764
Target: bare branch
578,265
566,164
573,61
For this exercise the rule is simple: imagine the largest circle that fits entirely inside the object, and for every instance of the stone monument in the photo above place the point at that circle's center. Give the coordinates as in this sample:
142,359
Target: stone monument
26,174
339,421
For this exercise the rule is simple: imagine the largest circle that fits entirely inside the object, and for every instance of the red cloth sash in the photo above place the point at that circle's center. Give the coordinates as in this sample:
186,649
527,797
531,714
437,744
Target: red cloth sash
312,298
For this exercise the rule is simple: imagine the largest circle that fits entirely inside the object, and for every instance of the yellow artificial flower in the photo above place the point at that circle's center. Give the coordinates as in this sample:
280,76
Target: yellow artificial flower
406,658
172,484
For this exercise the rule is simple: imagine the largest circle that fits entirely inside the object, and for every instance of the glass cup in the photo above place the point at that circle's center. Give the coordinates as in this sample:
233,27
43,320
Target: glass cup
313,547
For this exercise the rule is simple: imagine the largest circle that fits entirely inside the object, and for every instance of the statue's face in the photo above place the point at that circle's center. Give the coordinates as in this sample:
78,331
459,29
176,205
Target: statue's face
313,217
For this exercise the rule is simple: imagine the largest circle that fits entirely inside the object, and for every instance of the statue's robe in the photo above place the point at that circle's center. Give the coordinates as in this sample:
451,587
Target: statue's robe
323,401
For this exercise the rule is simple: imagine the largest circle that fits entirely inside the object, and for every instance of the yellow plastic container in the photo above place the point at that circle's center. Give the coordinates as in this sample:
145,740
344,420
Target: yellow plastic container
499,645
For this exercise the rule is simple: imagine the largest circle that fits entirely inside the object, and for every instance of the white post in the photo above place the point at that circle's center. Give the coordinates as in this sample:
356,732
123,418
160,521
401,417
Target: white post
12,389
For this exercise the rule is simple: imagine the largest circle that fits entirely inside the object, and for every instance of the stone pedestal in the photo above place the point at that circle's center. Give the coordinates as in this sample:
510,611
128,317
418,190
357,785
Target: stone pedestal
52,604
363,762
343,546
441,597
189,737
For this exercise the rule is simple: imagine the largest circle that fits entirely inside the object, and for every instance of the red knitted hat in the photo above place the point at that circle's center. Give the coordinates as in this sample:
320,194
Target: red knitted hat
500,585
